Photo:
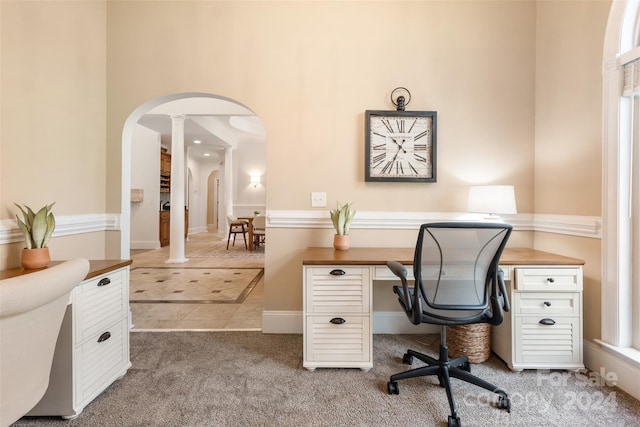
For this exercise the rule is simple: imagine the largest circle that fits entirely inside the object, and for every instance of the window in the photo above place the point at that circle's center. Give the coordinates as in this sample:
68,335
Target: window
621,182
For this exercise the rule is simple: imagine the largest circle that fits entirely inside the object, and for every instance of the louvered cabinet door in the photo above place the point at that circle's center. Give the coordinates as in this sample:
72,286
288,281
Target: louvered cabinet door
337,317
543,330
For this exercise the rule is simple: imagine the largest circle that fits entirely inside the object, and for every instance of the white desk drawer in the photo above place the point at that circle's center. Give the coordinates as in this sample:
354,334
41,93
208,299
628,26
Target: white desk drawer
101,359
338,342
538,343
383,273
547,304
337,290
100,302
548,279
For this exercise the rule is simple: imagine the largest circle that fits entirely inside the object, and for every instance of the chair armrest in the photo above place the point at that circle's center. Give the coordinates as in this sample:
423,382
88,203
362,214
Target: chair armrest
397,269
506,306
405,294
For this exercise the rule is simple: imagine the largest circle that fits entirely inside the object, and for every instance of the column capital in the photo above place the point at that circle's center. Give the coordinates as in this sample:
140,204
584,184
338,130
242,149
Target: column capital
177,117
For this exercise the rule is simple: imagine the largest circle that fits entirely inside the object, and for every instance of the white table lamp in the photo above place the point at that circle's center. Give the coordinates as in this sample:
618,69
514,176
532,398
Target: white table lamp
493,200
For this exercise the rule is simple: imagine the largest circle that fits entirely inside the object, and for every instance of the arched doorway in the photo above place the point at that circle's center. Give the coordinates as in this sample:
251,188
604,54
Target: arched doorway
225,124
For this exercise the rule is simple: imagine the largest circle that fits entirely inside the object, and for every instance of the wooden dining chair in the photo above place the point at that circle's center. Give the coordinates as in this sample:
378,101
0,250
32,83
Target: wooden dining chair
237,227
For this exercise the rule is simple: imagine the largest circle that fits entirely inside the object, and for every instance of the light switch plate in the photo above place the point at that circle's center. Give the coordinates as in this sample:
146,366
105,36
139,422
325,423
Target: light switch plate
318,199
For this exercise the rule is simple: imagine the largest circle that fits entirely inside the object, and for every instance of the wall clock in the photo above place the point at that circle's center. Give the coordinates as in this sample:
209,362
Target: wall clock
400,146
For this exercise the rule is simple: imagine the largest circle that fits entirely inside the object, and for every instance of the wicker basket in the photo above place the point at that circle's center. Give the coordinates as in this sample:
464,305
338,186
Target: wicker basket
473,341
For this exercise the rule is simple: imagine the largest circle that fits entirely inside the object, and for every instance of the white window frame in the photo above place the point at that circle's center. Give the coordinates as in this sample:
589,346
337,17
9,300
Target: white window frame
618,304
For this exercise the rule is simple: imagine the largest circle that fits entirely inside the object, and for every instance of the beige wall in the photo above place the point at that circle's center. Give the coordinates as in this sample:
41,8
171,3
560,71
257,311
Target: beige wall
568,138
53,114
311,69
508,110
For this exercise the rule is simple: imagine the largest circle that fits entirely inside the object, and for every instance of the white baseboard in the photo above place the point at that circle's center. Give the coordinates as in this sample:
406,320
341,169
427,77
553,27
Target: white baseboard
282,322
384,322
200,229
628,374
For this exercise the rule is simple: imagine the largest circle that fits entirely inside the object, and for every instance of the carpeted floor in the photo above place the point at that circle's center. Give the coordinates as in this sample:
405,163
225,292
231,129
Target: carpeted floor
255,379
192,284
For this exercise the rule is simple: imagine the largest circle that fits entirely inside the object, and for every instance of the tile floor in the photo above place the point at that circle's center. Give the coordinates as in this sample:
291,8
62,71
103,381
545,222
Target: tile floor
201,316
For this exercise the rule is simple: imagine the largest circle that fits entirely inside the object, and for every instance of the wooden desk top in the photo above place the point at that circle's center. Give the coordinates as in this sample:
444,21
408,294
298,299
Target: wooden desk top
96,268
380,256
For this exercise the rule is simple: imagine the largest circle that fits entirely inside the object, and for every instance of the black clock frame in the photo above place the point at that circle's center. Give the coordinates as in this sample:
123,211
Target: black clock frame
367,145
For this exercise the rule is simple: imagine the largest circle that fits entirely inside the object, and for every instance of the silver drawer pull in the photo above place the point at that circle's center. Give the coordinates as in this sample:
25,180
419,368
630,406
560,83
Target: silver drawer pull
104,336
104,282
337,272
550,279
548,322
337,321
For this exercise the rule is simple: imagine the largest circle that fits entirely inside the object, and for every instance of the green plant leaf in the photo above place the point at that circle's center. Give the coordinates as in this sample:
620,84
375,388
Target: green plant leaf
341,218
51,225
25,232
39,227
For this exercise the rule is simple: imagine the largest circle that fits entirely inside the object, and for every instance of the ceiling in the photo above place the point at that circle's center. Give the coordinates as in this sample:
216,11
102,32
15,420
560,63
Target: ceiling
218,123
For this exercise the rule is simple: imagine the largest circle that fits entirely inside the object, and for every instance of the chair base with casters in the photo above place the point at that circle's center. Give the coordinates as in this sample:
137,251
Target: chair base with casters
237,227
457,281
445,369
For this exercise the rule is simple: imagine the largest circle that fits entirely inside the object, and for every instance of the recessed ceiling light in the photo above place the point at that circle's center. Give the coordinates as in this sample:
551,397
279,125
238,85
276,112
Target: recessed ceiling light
207,154
197,141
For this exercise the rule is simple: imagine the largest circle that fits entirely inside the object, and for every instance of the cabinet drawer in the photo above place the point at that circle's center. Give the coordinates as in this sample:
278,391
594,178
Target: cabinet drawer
346,342
100,362
100,302
548,279
547,304
538,343
337,289
383,273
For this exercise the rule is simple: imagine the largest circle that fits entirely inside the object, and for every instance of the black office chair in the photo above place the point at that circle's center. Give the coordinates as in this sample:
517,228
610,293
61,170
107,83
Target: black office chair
459,282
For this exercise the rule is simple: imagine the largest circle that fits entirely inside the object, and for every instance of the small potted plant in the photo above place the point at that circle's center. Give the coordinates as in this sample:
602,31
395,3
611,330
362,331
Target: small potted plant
37,229
341,218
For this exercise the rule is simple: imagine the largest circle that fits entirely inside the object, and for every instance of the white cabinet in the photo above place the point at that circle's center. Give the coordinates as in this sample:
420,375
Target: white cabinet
93,346
543,330
337,317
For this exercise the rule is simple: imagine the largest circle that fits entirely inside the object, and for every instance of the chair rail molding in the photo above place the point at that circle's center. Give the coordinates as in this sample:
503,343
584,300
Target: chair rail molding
572,225
65,226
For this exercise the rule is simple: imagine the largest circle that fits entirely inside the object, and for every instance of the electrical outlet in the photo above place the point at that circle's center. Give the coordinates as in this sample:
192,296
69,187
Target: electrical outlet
318,199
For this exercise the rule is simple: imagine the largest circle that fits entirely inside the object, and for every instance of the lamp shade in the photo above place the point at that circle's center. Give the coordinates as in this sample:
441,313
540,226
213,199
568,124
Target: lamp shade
492,199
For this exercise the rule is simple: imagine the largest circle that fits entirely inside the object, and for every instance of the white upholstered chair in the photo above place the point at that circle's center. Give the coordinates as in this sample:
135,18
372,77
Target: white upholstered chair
32,307
259,226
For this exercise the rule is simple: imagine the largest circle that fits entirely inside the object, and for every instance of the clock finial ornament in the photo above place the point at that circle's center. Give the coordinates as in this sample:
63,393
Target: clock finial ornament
400,102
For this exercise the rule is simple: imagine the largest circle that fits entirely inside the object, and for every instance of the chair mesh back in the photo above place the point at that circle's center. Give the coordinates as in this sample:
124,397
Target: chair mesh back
456,262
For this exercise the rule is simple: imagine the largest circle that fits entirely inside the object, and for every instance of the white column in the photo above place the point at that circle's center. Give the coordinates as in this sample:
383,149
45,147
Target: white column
176,247
228,186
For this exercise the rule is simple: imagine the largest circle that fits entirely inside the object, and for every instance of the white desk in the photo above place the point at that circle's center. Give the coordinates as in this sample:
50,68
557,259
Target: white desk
338,310
92,350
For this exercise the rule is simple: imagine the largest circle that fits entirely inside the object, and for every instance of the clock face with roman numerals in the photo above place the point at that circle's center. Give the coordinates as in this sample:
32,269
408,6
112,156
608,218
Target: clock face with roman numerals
400,146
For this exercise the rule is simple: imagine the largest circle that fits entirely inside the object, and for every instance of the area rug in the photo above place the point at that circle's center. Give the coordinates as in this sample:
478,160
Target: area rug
251,379
192,284
218,249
